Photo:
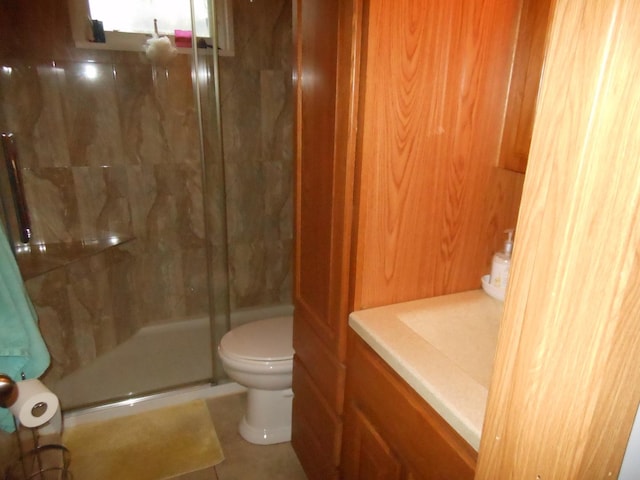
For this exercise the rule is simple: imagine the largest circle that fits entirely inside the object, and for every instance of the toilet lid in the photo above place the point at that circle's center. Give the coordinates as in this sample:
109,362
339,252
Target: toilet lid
270,339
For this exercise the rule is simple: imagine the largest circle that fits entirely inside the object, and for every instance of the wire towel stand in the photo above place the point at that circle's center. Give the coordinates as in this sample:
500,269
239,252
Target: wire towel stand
42,462
37,461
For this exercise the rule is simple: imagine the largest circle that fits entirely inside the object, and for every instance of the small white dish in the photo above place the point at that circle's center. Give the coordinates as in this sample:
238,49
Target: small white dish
492,291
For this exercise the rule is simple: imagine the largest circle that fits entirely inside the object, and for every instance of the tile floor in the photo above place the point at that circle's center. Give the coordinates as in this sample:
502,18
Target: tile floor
243,460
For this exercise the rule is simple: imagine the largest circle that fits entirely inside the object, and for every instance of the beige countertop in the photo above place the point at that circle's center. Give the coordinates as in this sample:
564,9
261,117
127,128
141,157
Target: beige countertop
444,348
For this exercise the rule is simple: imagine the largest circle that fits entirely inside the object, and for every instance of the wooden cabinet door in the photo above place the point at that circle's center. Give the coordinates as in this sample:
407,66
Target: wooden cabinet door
325,143
325,122
366,454
387,416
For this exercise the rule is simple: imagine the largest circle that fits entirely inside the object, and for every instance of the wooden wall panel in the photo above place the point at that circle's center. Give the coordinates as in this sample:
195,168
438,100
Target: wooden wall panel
435,87
567,374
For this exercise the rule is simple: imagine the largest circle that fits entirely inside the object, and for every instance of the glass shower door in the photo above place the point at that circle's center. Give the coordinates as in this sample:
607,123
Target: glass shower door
121,161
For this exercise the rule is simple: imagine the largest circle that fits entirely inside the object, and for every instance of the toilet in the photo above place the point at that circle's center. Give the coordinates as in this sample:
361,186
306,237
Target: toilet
259,356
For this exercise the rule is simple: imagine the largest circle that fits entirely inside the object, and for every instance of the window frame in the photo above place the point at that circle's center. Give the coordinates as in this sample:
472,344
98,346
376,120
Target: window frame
134,42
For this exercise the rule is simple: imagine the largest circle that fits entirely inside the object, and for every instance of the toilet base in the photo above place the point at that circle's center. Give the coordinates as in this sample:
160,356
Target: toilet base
268,417
264,436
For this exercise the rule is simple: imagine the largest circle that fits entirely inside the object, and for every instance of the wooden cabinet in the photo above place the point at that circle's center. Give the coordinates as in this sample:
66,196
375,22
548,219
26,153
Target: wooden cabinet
399,109
398,197
392,432
367,454
325,165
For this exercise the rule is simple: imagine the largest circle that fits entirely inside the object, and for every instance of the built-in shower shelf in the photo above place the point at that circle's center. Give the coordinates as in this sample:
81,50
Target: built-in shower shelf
41,258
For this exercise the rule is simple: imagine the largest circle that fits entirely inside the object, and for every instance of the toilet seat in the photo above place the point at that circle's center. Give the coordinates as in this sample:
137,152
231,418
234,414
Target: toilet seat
263,341
262,367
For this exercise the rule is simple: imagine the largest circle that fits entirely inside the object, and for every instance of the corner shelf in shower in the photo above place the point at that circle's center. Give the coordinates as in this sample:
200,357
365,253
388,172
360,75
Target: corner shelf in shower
38,259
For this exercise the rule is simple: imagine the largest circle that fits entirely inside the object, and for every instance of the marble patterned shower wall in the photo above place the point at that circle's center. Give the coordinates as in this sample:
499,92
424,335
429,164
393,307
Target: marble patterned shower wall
257,118
109,148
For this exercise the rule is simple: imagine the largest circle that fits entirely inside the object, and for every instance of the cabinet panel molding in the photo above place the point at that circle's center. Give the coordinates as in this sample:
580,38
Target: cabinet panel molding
311,453
317,414
316,36
321,365
367,455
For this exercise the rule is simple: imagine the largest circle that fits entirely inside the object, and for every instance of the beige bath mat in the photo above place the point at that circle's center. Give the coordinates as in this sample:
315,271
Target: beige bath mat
153,445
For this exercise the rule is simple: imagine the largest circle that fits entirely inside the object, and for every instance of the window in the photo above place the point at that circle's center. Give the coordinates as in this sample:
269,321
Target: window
171,15
129,23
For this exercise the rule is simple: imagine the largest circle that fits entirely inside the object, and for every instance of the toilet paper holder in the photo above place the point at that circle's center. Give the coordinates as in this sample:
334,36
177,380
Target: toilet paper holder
8,391
36,460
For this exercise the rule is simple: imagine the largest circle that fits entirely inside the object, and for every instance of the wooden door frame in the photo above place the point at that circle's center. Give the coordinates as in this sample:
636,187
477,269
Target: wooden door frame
566,383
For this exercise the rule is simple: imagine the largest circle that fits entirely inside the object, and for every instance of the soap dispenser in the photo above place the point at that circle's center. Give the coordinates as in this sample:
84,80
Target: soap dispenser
501,263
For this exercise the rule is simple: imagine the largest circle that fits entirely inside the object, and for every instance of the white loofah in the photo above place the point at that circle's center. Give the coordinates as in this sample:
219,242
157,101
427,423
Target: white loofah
159,49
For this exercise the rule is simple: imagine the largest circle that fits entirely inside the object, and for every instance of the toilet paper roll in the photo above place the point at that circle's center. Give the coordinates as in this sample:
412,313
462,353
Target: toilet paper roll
53,426
35,405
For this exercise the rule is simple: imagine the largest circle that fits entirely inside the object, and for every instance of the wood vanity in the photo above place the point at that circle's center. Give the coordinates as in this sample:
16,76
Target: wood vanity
418,376
399,114
392,433
400,128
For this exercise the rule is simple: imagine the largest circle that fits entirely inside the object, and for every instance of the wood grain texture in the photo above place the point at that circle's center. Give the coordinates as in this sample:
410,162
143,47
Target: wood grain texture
327,52
435,86
324,368
524,85
313,411
399,421
308,439
316,99
328,42
567,375
367,455
49,30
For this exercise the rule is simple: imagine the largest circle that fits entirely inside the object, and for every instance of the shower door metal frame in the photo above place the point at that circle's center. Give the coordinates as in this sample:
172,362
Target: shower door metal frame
212,167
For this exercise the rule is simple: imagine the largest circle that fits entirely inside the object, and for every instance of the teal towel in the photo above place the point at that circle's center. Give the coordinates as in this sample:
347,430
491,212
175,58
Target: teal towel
22,348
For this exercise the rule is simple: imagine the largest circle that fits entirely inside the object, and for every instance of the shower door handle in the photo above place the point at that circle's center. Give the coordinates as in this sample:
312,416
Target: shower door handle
17,186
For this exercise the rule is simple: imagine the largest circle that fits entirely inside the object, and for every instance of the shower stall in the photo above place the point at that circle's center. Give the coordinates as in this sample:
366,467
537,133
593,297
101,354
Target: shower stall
159,194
